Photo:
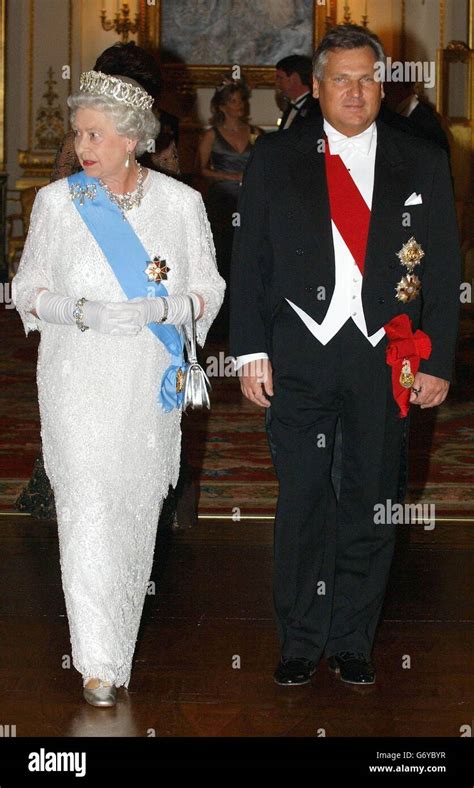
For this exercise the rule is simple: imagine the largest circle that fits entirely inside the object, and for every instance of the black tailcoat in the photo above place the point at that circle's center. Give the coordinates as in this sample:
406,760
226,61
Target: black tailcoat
283,247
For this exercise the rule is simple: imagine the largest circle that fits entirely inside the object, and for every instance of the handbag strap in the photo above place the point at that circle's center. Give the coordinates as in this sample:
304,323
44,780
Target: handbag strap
191,345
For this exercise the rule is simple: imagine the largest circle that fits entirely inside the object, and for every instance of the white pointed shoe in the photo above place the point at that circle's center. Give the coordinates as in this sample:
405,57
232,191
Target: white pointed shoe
103,695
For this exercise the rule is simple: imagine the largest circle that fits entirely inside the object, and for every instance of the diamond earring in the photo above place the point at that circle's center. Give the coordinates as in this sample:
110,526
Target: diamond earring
127,160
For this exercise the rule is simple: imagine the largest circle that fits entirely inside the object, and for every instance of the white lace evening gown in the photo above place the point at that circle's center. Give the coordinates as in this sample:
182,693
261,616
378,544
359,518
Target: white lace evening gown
110,451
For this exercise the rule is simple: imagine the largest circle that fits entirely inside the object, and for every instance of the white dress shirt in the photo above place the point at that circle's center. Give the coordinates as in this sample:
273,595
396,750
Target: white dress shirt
358,155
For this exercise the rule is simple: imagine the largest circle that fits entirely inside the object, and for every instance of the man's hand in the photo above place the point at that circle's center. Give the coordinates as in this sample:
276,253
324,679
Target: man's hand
256,380
432,391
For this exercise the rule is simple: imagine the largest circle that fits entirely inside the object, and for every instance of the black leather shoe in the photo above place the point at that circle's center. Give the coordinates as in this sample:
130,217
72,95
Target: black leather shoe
354,668
293,671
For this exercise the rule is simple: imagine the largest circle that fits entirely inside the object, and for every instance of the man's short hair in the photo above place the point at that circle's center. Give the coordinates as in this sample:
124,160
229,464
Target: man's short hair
345,37
297,64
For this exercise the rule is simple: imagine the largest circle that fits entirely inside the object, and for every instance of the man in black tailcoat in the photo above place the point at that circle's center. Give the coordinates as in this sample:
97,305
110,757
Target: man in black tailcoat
293,78
344,305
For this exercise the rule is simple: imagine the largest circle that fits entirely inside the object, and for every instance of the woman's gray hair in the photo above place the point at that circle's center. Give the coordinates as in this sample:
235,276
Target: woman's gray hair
345,37
138,124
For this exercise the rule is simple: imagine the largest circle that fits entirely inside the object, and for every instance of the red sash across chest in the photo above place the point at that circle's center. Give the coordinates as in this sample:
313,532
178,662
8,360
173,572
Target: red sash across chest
349,211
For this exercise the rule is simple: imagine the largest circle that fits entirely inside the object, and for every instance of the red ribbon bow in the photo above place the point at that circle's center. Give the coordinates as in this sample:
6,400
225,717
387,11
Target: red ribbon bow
404,344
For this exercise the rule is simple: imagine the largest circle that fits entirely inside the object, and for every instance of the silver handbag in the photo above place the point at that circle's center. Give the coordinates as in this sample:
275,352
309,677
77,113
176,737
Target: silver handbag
196,383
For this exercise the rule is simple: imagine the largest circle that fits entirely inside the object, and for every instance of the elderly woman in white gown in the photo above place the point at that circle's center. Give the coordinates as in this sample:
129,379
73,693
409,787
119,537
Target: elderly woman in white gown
111,257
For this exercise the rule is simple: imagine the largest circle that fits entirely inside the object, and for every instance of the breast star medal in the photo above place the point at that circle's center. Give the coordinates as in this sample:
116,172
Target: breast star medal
157,270
410,254
407,377
408,288
409,285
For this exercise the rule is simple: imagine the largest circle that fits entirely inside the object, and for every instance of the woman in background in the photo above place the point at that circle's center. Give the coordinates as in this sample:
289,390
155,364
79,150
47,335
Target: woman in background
223,154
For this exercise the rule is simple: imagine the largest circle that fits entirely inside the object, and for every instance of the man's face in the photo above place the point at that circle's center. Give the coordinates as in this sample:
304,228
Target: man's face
348,92
284,82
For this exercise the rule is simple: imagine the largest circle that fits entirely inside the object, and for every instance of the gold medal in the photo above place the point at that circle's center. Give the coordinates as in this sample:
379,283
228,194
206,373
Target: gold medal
407,377
179,380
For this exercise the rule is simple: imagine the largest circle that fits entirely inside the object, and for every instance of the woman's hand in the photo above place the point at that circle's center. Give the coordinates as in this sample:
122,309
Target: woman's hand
142,311
58,309
222,175
235,176
107,319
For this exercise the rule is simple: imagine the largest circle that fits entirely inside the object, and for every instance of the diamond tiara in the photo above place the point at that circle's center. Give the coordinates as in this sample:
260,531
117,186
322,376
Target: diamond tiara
99,84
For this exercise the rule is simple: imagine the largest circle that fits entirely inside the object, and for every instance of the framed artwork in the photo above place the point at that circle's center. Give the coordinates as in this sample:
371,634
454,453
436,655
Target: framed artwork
200,41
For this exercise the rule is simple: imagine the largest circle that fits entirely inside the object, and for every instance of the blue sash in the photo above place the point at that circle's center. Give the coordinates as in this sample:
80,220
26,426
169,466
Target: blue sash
128,260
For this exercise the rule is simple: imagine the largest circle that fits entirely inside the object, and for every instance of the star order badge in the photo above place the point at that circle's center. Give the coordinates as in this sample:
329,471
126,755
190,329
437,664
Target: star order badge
409,285
157,270
410,254
408,288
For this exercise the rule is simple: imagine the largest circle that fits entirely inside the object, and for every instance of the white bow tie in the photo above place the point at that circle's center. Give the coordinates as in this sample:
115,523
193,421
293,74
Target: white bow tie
360,143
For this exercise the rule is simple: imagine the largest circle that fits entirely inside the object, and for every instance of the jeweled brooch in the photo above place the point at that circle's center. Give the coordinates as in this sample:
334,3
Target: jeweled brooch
408,288
81,193
157,270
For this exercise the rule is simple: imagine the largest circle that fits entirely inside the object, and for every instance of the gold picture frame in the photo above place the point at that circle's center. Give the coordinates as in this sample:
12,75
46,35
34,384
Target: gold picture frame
186,77
456,54
2,81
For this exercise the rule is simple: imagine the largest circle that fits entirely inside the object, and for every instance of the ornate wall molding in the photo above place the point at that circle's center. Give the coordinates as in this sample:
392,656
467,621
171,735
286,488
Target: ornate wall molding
46,115
3,174
403,43
470,35
49,129
2,83
31,44
442,23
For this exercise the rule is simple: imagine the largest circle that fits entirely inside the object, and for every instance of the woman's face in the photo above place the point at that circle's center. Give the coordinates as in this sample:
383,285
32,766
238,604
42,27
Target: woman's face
234,107
101,151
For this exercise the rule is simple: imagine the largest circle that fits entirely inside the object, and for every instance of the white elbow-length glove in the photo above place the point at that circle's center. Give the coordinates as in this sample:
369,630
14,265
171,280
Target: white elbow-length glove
55,308
141,311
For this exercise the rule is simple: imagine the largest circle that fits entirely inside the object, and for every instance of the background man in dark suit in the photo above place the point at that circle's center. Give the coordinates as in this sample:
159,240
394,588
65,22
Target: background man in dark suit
347,245
294,78
402,104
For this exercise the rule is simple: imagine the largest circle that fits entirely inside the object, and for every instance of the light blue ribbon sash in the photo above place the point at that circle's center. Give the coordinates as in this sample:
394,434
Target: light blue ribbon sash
128,260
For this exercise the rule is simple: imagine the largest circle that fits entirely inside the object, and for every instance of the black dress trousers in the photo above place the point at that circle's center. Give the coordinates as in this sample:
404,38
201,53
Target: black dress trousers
331,561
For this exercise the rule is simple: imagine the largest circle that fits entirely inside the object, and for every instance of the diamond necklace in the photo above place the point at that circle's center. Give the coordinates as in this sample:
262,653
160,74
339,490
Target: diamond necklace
129,200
